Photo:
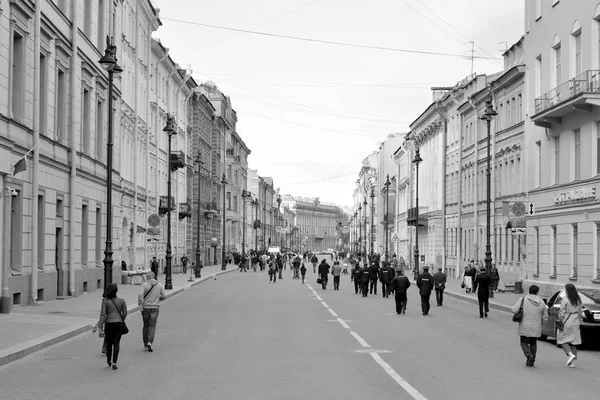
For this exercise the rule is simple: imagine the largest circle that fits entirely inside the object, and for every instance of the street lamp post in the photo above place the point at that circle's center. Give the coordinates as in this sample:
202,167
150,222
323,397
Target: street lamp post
278,200
417,160
365,261
255,204
109,63
223,261
198,251
170,132
387,199
264,227
372,221
245,194
488,115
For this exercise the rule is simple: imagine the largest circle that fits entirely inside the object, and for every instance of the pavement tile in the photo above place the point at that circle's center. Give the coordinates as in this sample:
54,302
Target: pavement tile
28,329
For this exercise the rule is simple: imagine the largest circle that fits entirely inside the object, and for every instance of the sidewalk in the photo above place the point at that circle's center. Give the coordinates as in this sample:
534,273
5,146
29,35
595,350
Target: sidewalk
28,329
501,301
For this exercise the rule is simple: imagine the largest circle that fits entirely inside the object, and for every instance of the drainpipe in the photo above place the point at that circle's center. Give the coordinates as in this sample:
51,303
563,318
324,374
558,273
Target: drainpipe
36,152
133,261
184,120
459,230
443,191
157,133
493,178
476,185
73,141
169,109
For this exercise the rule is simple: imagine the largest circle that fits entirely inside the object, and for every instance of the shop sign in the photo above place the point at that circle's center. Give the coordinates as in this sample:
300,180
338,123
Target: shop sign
575,195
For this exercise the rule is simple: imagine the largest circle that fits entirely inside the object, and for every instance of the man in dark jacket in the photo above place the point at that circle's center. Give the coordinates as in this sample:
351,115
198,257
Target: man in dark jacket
356,277
482,284
154,267
314,260
374,270
425,285
365,275
399,285
323,271
385,276
440,284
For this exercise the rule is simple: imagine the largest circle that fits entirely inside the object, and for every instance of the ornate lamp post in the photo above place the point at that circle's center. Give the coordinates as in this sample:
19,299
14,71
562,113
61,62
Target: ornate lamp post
223,261
255,204
386,216
355,231
198,251
372,222
278,200
245,195
264,227
487,116
109,63
365,261
417,160
170,132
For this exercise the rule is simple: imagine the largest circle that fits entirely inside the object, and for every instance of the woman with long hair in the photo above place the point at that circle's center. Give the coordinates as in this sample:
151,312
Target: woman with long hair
113,314
570,317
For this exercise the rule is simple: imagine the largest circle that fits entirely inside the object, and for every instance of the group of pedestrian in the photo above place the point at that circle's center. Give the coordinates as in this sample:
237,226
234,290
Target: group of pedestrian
470,274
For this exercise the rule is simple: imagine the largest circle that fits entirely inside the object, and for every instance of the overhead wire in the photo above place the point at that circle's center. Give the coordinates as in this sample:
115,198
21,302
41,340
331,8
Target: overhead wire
324,179
329,42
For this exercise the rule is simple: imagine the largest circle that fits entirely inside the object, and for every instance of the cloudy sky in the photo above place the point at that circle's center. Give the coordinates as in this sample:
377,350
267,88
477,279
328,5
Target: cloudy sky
310,111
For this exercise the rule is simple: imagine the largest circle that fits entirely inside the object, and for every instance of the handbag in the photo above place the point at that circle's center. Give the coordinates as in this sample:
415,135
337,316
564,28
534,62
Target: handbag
319,281
519,315
560,325
124,328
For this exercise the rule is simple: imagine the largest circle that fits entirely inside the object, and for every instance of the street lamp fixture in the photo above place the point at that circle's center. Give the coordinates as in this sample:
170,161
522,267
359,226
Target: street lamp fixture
170,130
109,63
223,261
487,116
387,199
417,160
199,162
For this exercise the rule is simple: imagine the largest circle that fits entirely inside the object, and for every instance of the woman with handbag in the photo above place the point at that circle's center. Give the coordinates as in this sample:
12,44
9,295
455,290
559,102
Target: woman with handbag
568,322
531,313
112,315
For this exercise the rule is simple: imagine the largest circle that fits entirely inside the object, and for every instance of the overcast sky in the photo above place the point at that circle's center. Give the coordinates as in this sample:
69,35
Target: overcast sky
311,112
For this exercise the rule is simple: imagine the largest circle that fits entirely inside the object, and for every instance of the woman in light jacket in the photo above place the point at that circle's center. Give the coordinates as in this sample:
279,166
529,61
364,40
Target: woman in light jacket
535,313
570,315
113,314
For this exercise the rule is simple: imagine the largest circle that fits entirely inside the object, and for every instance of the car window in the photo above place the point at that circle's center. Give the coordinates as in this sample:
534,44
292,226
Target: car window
553,298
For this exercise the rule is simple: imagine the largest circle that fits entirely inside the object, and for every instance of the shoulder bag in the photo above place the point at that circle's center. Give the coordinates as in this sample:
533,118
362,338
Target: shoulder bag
519,315
124,328
560,325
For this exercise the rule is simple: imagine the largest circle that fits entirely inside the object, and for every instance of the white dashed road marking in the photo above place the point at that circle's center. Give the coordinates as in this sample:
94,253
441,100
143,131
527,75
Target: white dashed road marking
360,340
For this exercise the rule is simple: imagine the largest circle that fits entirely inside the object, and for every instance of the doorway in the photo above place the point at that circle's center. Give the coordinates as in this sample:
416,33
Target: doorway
58,261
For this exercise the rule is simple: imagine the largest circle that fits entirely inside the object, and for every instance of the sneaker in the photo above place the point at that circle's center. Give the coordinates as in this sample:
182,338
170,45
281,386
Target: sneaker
572,358
109,364
530,361
114,366
149,347
571,366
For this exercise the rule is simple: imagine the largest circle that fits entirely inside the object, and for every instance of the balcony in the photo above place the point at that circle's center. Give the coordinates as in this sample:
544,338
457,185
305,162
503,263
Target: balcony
581,93
411,217
163,207
185,210
177,160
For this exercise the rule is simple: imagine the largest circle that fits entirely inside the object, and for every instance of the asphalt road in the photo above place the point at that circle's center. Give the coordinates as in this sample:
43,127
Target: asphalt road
241,337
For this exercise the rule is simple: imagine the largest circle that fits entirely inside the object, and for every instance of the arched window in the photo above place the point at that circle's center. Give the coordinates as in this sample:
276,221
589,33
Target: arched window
576,58
556,72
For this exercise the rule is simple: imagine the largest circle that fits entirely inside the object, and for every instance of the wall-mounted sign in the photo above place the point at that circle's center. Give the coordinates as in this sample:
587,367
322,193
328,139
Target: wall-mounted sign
575,195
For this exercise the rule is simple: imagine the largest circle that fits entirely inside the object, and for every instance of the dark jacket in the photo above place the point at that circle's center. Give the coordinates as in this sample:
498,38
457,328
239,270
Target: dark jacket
314,259
303,270
482,284
439,279
324,268
365,275
400,284
425,283
374,269
385,274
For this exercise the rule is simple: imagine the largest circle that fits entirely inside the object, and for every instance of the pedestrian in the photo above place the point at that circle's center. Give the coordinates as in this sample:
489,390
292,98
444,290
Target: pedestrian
272,272
425,285
280,265
113,314
123,266
439,278
154,267
355,276
385,276
467,279
569,316
365,277
482,284
535,313
323,272
336,271
296,264
100,326
374,269
184,262
314,260
495,278
150,294
399,286
303,272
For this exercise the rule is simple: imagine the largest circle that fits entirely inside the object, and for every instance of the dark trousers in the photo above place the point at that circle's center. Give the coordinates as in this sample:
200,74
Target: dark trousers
384,289
113,333
483,303
356,286
401,300
425,306
324,280
529,346
365,288
336,282
303,275
273,276
373,286
439,296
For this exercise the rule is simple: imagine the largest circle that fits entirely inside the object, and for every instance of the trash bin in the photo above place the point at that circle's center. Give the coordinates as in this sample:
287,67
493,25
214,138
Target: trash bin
518,287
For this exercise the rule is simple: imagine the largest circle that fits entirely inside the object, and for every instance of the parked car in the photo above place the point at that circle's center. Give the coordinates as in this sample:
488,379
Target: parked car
590,323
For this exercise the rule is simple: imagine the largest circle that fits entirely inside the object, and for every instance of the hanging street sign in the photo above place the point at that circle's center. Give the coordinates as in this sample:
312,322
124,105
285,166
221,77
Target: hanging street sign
395,237
531,209
153,220
519,209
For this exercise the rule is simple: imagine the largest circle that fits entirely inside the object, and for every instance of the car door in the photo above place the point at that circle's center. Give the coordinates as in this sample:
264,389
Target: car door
548,327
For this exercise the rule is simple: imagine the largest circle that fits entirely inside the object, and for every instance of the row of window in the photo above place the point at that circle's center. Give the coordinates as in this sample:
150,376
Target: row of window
505,246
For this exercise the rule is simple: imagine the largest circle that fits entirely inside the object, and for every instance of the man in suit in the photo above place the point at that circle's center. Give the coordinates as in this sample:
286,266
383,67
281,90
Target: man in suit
425,285
439,279
399,285
482,284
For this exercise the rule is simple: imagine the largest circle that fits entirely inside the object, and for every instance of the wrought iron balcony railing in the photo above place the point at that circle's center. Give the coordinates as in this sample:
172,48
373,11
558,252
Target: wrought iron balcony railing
587,82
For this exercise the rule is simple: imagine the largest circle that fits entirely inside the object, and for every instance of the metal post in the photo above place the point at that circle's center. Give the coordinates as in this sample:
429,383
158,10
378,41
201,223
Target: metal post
223,261
365,261
169,257
108,260
489,113
372,222
198,252
417,160
387,199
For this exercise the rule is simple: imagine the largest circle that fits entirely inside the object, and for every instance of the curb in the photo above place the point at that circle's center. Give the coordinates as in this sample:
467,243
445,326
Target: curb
494,305
25,349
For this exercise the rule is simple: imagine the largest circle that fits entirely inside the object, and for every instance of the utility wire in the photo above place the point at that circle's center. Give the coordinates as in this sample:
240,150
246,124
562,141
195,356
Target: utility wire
322,180
343,44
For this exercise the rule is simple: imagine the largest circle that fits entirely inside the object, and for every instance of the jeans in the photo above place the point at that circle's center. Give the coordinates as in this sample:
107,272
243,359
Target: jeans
439,296
529,346
336,283
113,333
149,316
324,280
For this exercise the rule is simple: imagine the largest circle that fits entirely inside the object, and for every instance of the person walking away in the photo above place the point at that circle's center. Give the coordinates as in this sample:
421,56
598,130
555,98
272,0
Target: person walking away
303,272
154,267
150,294
365,277
296,268
184,262
272,272
569,314
314,260
495,278
399,286
385,276
113,314
425,285
355,276
280,265
535,313
439,278
374,269
482,284
336,271
323,272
